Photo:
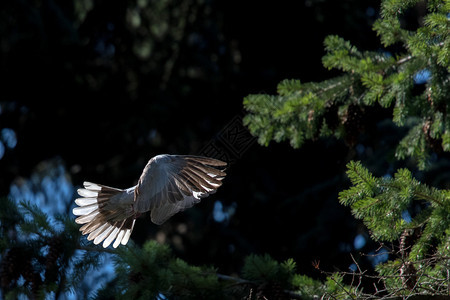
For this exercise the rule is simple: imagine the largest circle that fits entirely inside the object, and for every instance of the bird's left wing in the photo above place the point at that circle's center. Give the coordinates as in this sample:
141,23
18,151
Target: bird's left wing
173,183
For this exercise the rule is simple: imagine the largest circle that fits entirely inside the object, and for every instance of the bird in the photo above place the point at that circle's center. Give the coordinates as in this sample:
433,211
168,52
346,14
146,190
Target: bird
169,184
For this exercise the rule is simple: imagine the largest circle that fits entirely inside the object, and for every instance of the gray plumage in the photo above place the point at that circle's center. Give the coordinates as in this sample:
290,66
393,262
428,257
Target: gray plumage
168,184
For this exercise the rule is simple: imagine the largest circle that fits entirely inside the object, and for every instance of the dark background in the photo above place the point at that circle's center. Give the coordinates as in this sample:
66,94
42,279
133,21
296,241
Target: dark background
97,88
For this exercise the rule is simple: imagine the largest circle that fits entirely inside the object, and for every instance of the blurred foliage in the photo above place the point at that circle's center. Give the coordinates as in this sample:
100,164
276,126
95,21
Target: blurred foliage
40,261
40,257
148,272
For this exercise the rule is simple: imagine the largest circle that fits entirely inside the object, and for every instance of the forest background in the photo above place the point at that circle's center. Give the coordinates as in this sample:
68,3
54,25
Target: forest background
92,89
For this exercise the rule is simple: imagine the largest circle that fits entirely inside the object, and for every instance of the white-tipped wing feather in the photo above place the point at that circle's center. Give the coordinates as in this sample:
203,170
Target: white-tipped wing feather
173,183
106,213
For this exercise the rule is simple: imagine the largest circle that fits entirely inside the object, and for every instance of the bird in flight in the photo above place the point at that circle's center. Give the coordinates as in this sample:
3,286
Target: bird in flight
168,184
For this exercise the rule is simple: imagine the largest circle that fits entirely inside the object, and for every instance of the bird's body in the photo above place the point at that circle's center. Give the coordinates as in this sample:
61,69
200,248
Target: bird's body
168,184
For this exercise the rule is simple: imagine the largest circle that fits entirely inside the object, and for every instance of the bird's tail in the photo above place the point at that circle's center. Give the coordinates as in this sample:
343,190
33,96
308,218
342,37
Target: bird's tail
102,220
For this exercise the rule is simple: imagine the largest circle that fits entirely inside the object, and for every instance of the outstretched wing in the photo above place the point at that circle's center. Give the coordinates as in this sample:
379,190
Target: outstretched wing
173,183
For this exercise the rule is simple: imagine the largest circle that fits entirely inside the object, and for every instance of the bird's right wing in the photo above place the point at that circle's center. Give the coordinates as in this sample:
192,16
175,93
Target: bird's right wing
173,183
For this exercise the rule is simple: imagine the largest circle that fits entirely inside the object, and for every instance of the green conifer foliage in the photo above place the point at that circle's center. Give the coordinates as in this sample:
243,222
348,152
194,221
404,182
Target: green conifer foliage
152,271
413,86
424,248
41,258
370,79
36,252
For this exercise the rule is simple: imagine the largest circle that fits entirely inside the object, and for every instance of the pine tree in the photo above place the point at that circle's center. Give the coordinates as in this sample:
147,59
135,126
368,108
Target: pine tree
423,240
412,84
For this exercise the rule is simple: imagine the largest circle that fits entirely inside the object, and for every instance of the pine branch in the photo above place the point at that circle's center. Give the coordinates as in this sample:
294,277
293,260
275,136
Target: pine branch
39,253
380,202
307,111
